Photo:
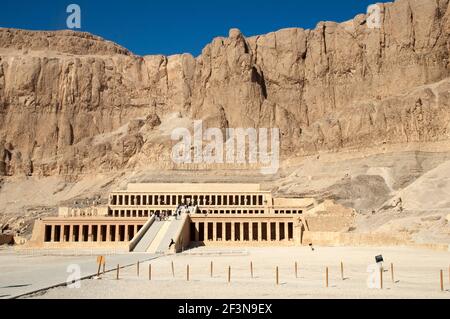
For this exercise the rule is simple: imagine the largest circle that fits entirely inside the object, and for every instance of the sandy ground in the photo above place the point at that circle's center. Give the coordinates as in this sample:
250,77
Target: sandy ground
21,273
417,275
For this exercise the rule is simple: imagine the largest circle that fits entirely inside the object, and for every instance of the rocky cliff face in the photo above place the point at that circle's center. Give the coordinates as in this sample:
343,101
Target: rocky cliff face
72,103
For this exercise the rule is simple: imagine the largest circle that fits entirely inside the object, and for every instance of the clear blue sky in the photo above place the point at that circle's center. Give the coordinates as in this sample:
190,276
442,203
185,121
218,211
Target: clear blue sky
176,26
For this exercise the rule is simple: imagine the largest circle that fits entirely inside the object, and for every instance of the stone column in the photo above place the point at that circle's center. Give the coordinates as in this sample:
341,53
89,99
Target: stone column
135,230
241,232
71,234
108,233
250,231
197,231
233,233
259,231
277,231
214,231
52,231
126,233
224,229
80,233
300,239
90,235
286,231
61,233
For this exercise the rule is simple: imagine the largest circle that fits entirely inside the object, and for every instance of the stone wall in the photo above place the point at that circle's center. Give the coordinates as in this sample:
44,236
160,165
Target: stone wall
352,239
365,239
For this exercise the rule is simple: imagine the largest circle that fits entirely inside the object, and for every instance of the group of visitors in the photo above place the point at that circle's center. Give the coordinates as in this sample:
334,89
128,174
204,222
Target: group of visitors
183,208
162,216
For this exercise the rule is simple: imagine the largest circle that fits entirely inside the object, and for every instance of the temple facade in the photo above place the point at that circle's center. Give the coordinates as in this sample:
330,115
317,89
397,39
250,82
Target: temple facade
173,217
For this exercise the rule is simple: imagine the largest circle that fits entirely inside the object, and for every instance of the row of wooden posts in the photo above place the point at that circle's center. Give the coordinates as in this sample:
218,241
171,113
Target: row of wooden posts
277,277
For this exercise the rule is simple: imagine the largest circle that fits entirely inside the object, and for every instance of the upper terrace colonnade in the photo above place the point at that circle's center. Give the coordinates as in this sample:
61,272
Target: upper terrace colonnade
142,200
195,194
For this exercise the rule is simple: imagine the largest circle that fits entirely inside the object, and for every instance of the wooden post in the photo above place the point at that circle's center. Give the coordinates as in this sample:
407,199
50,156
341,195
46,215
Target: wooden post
173,270
381,277
100,262
326,277
187,273
137,268
342,270
98,270
251,269
442,280
117,275
229,274
296,270
211,269
392,273
277,276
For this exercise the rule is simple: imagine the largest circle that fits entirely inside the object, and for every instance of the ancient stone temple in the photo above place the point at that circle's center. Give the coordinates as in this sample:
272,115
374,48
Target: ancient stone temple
163,217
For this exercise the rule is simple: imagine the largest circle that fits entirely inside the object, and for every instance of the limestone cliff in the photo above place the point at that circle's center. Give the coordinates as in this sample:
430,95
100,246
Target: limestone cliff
72,103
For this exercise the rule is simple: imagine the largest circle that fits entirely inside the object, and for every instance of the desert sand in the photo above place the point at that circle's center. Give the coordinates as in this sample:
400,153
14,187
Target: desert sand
417,275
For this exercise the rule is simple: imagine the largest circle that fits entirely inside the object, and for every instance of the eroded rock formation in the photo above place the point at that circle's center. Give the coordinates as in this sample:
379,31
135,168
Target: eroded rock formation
72,103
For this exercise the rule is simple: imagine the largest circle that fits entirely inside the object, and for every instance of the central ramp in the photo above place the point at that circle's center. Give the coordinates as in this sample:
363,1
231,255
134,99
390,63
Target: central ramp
148,237
165,225
159,235
172,231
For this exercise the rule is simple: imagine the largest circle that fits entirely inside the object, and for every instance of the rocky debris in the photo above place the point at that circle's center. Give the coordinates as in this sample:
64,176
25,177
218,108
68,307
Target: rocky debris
135,125
22,224
336,87
87,202
431,219
153,120
398,205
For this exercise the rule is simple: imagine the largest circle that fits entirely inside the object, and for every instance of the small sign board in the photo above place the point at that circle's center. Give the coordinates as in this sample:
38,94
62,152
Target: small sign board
379,259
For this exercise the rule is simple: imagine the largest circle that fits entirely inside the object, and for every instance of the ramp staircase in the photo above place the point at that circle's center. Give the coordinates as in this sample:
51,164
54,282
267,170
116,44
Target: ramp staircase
159,235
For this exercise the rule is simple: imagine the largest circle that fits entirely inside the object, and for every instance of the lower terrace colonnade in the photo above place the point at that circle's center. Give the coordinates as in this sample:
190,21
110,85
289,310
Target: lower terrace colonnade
212,231
90,232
